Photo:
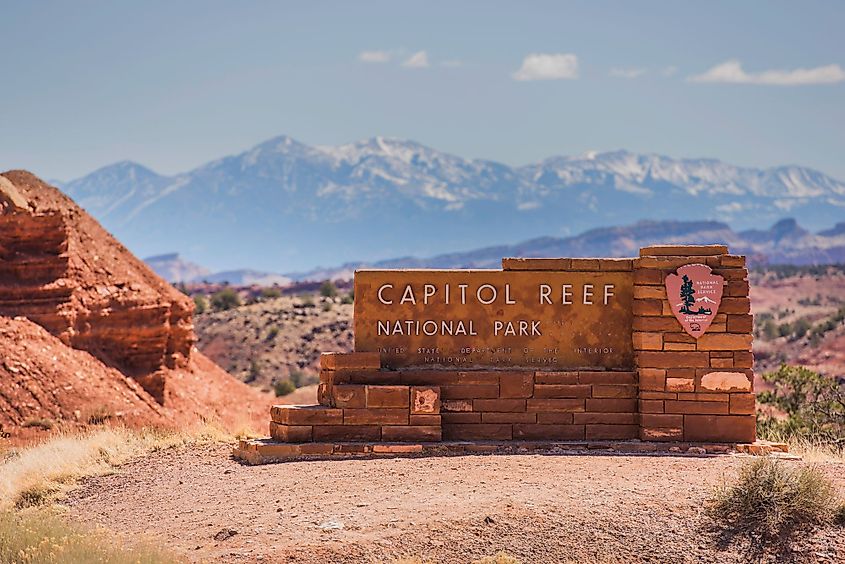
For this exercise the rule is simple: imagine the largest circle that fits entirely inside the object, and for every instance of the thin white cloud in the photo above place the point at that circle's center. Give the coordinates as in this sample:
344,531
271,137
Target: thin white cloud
732,72
548,66
670,70
632,72
374,57
418,60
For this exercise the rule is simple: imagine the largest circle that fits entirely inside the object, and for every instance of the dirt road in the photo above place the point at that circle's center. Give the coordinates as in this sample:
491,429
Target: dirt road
452,509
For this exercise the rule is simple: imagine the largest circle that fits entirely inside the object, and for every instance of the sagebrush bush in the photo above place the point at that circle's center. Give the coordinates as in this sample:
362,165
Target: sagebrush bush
770,500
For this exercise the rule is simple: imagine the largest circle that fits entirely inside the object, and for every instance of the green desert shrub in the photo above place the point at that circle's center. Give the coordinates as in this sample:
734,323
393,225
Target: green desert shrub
283,387
200,304
770,501
328,289
809,406
227,298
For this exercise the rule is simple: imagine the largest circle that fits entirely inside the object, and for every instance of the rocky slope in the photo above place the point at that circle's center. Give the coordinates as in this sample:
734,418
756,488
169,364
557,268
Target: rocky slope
106,309
380,198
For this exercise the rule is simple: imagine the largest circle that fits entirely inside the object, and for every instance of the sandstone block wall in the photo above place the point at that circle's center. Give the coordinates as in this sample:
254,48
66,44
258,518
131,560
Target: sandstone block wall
679,388
693,389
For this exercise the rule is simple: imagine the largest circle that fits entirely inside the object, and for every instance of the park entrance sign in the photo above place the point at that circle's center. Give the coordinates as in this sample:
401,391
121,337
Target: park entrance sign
545,351
470,319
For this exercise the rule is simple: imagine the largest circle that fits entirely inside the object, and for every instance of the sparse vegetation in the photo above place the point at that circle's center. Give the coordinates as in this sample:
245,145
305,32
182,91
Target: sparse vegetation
200,304
272,333
283,387
770,501
308,301
348,299
254,372
328,289
327,306
99,415
43,424
270,293
225,299
45,537
812,405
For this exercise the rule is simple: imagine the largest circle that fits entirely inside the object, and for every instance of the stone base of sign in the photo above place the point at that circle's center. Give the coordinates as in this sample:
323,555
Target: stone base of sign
266,451
680,389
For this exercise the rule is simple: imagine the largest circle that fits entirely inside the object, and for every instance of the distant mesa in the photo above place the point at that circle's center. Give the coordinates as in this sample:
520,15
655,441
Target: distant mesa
283,206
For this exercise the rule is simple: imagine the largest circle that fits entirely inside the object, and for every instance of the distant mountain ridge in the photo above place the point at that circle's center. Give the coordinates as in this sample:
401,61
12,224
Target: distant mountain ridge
284,205
784,243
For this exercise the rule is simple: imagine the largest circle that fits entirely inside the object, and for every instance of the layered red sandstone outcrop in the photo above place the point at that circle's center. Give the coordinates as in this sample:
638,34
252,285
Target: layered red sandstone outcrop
61,270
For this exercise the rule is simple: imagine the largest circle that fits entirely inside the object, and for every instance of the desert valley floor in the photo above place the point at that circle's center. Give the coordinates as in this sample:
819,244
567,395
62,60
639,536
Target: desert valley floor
552,508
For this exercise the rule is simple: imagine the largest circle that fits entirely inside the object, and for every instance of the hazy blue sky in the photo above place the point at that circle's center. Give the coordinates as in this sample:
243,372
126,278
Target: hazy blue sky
175,84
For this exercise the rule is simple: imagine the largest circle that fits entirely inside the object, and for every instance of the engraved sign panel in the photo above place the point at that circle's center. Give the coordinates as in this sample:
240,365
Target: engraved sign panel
695,294
495,319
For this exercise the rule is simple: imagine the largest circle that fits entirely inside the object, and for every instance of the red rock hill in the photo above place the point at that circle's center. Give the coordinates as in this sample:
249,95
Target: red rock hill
113,321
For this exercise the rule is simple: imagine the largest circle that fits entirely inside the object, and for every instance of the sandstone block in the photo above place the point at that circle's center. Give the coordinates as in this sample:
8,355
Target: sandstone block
679,347
684,250
661,434
740,323
439,377
607,377
548,432
548,405
743,359
469,391
349,395
616,264
324,395
455,405
290,433
335,361
500,405
555,418
536,264
612,405
657,395
562,391
703,396
516,384
425,400
644,276
555,377
612,432
460,417
652,379
724,342
678,338
424,420
651,406
613,391
650,292
722,362
737,288
733,261
372,416
672,359
397,449
388,396
306,415
604,418
742,404
735,305
493,417
696,407
732,274
726,382
642,323
725,428
477,432
352,433
680,385
411,433
648,307
588,264
661,420
367,377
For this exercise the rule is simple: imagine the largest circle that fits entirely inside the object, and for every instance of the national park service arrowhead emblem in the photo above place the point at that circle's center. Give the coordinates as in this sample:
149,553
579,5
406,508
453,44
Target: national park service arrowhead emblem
695,294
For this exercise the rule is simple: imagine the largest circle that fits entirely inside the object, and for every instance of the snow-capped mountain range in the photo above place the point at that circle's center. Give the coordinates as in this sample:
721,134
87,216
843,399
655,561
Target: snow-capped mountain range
284,206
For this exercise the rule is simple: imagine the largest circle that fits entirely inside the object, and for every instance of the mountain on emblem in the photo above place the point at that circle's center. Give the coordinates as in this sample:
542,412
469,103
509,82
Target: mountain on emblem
695,294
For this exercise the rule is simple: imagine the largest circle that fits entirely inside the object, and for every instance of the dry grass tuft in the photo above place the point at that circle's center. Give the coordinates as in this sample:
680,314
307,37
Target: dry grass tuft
36,475
40,536
771,501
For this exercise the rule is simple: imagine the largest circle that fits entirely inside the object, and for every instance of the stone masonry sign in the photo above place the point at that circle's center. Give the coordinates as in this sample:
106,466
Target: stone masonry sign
495,319
654,348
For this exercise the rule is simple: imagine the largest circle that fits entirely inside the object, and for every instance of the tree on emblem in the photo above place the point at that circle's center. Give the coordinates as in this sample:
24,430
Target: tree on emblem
688,298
